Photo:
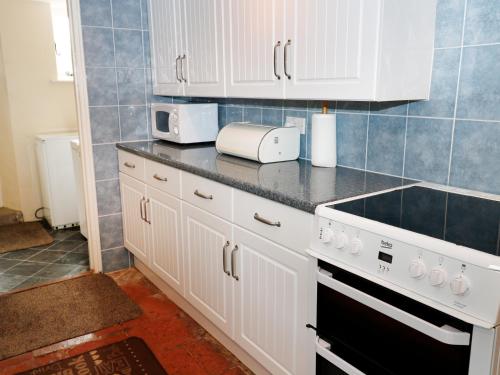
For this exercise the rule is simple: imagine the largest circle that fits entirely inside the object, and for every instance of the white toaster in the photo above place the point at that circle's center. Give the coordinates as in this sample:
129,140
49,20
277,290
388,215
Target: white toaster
265,144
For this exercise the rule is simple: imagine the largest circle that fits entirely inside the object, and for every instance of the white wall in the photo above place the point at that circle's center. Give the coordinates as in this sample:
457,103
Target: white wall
36,103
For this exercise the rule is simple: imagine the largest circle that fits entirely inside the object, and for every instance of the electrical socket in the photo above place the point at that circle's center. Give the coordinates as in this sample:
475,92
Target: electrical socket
297,122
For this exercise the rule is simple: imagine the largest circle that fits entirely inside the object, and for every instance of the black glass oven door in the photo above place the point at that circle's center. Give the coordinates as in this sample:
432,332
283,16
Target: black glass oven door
162,121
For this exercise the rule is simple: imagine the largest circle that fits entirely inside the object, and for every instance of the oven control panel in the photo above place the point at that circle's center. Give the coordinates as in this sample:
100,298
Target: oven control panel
454,283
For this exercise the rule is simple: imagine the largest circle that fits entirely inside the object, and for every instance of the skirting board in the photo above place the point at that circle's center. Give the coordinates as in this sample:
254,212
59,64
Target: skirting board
220,336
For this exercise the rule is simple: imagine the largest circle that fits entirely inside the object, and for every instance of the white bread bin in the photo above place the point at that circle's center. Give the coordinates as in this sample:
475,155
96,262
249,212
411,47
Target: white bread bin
265,144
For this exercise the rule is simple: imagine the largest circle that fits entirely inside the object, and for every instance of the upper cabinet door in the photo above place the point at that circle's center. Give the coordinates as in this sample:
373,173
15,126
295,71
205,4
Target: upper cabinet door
203,53
331,48
254,31
166,47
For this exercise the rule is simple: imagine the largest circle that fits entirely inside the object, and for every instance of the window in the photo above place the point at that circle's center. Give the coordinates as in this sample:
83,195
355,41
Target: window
62,40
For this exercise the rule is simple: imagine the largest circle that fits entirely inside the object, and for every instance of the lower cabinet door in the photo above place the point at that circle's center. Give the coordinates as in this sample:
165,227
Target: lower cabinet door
164,240
271,303
133,195
209,285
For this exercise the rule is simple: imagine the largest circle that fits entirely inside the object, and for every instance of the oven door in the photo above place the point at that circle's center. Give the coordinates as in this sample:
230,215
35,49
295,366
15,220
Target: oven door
364,328
161,123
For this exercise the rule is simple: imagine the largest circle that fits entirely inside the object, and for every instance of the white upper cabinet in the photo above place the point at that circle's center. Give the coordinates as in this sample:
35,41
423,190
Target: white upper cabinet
254,31
203,53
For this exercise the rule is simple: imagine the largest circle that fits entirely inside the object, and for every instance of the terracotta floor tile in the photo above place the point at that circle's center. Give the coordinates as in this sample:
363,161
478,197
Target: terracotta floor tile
179,343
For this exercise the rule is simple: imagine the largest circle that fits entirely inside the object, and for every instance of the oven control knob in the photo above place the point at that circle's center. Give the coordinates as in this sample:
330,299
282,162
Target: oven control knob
437,276
417,268
459,285
341,240
176,130
326,235
356,246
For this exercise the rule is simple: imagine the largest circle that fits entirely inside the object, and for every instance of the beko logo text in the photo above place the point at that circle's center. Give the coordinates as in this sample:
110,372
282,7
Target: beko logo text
385,244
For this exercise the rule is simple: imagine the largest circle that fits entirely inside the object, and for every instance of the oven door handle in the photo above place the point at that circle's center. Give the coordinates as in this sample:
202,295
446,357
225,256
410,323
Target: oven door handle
445,334
323,349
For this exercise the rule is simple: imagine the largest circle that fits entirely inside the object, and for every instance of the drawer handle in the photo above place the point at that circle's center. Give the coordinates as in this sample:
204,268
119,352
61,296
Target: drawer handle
129,165
201,195
257,217
159,178
146,218
224,249
233,263
141,207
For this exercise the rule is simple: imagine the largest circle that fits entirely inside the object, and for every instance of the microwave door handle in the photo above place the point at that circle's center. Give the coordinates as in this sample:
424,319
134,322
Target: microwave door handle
445,334
323,349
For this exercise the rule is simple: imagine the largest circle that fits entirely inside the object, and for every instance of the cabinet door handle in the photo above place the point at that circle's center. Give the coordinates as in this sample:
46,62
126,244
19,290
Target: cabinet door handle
276,46
201,195
146,212
285,58
159,178
257,217
182,68
177,68
224,250
233,263
129,165
141,207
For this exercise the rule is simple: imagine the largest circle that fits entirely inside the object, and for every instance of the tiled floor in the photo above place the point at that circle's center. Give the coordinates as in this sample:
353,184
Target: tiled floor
67,256
179,343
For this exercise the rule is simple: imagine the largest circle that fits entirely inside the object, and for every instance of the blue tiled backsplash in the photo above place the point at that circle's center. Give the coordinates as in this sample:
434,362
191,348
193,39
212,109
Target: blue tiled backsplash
454,138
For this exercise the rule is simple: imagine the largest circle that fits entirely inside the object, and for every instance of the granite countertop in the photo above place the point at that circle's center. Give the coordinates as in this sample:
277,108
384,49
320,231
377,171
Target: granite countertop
294,183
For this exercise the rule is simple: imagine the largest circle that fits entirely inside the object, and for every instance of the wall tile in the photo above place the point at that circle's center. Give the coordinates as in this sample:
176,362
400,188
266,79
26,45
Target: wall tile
131,86
111,231
386,144
101,86
222,116
476,154
317,105
105,162
353,107
127,14
115,259
479,91
98,46
303,137
351,140
144,14
449,23
104,124
128,48
428,149
234,114
95,12
443,86
252,114
108,197
299,105
147,49
482,23
398,108
272,116
133,123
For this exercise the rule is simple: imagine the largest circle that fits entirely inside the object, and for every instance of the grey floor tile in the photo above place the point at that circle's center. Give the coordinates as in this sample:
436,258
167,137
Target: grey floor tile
78,270
65,245
83,248
81,259
62,234
32,281
48,256
9,282
21,254
53,271
26,268
76,237
43,247
5,264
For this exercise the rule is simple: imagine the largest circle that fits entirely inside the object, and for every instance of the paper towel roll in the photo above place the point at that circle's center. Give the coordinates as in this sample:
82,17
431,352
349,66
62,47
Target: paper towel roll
324,140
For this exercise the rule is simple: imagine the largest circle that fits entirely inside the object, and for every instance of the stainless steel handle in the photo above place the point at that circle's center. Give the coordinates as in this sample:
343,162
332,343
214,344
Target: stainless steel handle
233,264
129,165
146,212
159,178
285,58
182,68
201,195
177,68
224,268
276,46
141,203
257,217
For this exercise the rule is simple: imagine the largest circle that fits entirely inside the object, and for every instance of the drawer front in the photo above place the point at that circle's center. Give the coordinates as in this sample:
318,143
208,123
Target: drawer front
163,177
131,164
208,195
282,224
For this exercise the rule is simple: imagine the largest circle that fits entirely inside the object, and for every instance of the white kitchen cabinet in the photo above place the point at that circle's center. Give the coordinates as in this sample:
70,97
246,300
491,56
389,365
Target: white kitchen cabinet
209,285
133,196
271,303
254,31
164,237
187,51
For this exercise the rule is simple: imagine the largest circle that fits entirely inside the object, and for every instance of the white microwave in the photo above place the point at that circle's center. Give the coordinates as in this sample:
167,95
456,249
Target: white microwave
185,123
